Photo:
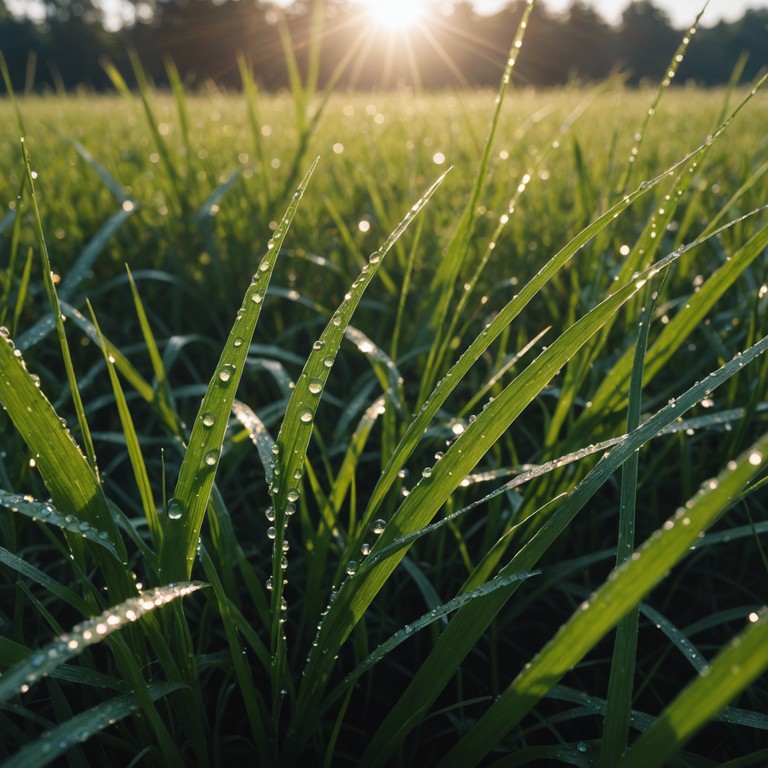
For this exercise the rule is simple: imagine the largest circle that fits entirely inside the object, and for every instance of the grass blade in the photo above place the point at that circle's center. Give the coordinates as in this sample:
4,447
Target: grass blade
737,666
78,729
623,590
66,646
186,509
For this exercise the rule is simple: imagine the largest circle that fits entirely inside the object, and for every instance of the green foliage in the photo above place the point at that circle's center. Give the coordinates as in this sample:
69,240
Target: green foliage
458,618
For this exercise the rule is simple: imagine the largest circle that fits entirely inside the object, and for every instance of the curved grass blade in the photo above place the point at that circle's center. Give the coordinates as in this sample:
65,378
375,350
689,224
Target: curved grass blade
470,622
50,289
70,480
296,429
258,434
45,512
623,589
437,484
438,612
186,509
50,585
81,727
44,661
132,444
736,667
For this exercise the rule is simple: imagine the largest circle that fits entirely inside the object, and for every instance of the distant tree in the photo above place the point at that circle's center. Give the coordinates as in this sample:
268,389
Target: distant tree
589,44
647,40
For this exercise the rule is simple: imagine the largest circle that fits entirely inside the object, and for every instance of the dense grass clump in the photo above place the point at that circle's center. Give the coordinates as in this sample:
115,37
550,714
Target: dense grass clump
413,444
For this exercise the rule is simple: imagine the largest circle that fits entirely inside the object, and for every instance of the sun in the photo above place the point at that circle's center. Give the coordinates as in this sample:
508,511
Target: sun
396,15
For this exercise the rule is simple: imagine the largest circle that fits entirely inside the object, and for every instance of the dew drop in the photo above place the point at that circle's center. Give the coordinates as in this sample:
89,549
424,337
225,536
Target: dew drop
315,386
208,420
226,373
211,458
256,297
175,509
271,533
293,495
378,526
351,568
426,472
365,549
306,416
290,509
238,342
328,362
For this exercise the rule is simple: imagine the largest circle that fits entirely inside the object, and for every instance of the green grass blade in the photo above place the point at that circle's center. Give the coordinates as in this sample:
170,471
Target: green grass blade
470,622
186,509
435,614
56,309
133,446
622,676
47,513
451,266
78,729
296,429
622,591
89,632
70,480
437,484
736,667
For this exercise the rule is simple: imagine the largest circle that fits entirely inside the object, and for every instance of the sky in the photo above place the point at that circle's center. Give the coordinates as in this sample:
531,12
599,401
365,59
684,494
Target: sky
681,12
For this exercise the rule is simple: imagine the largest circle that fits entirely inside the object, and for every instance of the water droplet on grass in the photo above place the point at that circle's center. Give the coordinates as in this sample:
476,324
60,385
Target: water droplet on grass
315,386
378,526
226,373
208,420
175,509
351,568
306,416
211,458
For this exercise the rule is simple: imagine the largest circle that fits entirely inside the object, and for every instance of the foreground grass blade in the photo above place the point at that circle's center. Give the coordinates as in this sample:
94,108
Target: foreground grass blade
81,727
623,589
19,678
53,298
296,429
437,484
70,480
186,509
45,512
738,665
470,623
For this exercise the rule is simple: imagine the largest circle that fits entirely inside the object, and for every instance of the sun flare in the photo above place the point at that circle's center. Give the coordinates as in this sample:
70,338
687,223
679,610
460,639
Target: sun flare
394,14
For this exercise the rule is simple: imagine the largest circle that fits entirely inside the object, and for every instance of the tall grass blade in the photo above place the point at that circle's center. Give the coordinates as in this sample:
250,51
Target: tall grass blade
56,309
470,622
186,509
56,742
738,665
623,590
70,644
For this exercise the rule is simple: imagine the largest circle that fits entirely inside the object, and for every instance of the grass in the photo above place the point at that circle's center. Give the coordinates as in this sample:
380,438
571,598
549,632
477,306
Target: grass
462,426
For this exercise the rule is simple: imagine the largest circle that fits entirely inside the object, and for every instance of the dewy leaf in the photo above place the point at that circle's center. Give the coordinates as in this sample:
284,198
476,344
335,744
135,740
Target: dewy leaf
18,679
623,589
186,509
81,727
47,513
73,485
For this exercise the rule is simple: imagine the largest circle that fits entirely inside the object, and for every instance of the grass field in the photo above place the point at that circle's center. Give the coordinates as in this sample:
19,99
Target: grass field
473,432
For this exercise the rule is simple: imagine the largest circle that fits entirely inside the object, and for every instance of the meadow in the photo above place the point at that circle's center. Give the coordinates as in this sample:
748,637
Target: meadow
447,447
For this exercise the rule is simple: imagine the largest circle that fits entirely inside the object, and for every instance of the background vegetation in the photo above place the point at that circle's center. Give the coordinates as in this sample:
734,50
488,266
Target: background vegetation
205,37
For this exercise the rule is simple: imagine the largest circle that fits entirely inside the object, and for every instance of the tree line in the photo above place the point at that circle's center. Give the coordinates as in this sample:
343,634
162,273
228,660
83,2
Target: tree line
67,45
